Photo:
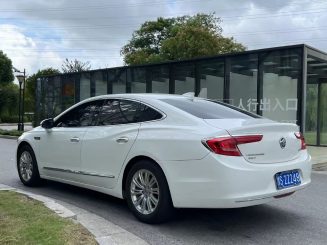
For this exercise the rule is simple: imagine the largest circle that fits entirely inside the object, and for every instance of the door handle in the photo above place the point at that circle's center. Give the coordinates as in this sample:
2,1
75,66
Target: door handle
122,140
74,140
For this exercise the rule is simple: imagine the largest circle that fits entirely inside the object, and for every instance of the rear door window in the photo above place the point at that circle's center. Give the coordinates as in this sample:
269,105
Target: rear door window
117,111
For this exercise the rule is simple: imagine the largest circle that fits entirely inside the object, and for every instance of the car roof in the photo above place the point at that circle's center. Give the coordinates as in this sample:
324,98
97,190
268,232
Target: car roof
139,96
142,97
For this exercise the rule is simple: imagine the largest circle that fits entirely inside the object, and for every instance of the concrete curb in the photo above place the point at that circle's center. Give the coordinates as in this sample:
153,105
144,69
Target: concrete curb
48,202
105,232
320,166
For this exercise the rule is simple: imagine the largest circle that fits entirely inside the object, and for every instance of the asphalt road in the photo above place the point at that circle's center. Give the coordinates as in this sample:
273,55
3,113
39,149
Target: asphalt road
299,219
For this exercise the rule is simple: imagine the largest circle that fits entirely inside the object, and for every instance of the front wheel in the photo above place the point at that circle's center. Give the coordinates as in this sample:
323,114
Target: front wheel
147,193
27,167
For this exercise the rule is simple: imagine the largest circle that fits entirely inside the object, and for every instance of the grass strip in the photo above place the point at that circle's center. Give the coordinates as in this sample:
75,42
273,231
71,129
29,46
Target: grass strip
26,221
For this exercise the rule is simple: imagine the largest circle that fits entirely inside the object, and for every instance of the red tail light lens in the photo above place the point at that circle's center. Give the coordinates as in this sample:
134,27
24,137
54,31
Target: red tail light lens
224,146
228,145
300,136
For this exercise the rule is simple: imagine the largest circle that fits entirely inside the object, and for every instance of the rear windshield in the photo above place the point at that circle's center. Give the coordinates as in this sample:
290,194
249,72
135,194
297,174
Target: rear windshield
209,109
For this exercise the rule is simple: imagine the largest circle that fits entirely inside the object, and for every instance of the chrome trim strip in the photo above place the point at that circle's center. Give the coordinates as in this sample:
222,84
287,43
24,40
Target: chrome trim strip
255,154
79,172
254,199
254,134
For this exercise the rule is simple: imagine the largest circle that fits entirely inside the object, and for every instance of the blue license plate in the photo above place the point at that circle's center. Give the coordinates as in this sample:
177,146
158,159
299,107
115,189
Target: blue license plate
287,179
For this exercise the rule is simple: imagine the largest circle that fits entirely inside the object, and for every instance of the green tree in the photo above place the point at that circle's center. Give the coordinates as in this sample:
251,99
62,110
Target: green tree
178,38
6,73
31,87
8,90
75,66
9,102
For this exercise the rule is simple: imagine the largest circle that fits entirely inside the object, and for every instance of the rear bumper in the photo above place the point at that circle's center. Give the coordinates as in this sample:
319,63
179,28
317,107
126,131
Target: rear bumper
229,182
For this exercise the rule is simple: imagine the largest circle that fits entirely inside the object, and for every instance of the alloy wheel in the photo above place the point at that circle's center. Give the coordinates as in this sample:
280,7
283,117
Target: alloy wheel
26,165
144,191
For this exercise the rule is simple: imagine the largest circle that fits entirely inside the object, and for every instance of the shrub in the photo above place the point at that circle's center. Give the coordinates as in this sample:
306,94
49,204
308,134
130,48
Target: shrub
9,119
10,132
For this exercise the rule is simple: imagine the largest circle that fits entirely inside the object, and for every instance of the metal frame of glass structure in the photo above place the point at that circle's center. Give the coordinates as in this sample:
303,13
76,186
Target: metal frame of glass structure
272,82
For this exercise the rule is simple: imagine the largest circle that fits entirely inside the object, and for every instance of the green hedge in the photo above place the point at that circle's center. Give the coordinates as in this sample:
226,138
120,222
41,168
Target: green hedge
9,119
10,132
14,119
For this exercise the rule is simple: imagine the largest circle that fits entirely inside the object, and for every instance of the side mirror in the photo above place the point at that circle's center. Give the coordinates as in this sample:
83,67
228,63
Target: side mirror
47,123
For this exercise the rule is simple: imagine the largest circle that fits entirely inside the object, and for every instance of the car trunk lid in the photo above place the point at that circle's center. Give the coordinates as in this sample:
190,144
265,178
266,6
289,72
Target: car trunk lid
278,144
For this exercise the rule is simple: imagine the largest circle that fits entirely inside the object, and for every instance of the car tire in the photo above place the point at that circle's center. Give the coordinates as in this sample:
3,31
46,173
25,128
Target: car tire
27,166
154,188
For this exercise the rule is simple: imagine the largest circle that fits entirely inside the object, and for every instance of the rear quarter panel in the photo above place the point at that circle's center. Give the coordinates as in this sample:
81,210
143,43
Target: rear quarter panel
171,142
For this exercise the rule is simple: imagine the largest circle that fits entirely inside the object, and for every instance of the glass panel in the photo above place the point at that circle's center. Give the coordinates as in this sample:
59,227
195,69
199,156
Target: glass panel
111,113
311,114
52,98
85,86
100,79
281,74
42,97
243,82
159,78
212,79
323,114
68,91
316,77
136,112
118,79
138,80
125,111
80,116
56,106
147,114
184,78
38,102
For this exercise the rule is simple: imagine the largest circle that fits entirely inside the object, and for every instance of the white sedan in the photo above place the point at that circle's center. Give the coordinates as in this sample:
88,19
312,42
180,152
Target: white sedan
161,151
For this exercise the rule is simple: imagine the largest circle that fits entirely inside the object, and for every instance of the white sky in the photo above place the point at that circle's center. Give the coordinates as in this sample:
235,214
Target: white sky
37,34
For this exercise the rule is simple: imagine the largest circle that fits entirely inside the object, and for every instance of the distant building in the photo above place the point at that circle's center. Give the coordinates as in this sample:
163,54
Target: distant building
286,84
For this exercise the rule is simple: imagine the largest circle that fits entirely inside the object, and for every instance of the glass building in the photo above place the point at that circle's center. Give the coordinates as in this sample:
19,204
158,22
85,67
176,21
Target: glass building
286,84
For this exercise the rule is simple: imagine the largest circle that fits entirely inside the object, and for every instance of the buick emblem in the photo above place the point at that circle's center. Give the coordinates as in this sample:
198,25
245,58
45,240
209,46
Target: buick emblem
282,142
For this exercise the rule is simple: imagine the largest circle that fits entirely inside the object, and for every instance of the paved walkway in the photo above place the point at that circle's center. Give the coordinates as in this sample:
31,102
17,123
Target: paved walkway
319,157
319,154
12,126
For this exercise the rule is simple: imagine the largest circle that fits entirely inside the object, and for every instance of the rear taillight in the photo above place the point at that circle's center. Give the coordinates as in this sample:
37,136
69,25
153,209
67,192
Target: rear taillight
228,145
300,136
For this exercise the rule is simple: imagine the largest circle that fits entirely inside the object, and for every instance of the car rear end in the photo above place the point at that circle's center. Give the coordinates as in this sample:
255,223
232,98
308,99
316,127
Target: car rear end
259,162
255,161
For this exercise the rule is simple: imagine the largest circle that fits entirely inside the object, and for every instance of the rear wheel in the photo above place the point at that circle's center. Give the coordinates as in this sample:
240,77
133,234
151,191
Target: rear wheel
27,166
147,193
